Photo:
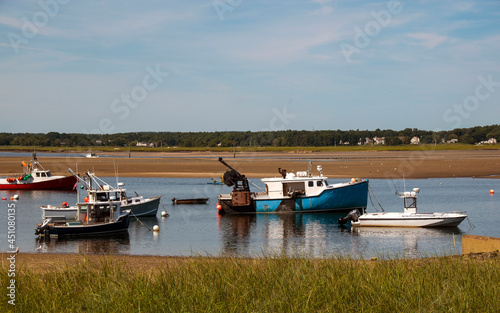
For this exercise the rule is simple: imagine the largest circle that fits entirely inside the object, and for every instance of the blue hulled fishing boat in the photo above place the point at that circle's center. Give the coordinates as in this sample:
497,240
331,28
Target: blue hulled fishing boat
292,192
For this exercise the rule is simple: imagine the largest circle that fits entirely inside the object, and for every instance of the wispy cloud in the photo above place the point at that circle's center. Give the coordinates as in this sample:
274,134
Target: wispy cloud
428,40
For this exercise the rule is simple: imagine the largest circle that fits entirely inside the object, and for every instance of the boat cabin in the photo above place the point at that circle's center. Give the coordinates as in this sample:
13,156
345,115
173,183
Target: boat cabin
294,185
106,193
96,212
410,201
39,173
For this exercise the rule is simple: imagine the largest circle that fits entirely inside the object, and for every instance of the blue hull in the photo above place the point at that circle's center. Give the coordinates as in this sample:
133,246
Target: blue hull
344,198
348,197
120,225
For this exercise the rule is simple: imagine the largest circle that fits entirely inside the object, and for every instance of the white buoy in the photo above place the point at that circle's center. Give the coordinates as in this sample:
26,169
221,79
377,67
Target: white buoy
156,228
16,197
164,213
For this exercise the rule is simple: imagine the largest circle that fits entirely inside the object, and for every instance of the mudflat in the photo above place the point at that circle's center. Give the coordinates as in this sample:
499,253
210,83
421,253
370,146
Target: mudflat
362,164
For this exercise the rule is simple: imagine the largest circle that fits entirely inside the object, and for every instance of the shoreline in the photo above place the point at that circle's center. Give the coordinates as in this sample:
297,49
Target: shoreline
361,164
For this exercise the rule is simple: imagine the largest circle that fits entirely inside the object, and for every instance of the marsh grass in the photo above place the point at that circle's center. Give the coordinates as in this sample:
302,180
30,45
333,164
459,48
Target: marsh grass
297,149
266,284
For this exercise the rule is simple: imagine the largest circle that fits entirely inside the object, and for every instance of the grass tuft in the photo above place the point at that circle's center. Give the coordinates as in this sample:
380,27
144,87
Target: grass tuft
270,283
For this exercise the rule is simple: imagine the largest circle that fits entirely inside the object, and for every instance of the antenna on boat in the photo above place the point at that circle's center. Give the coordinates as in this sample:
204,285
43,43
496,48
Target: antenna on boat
116,172
404,182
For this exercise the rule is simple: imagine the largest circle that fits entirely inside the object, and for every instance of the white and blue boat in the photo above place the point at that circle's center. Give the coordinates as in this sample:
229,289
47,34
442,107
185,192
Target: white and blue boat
292,192
93,218
99,190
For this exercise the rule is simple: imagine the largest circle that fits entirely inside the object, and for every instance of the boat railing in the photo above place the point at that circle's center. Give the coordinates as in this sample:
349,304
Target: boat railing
11,174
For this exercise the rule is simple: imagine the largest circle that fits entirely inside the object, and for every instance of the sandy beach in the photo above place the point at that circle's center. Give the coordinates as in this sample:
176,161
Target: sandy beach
364,164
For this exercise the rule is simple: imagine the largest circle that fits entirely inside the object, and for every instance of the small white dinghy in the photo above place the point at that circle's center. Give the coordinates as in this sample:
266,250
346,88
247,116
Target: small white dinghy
409,217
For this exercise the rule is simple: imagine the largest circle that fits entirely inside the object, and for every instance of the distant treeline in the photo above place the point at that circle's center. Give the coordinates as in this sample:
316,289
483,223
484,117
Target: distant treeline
285,138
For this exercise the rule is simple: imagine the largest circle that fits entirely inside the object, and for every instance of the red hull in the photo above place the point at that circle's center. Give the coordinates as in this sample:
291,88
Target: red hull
64,183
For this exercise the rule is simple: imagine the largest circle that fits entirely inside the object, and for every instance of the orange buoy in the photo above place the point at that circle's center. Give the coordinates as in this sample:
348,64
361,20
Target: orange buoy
492,191
86,199
219,207
353,180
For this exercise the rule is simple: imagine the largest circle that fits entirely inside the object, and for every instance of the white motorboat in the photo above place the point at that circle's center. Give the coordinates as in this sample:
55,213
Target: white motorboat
408,218
92,218
98,190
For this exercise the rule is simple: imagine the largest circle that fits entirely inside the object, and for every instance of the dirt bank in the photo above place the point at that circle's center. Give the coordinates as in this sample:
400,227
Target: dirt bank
366,164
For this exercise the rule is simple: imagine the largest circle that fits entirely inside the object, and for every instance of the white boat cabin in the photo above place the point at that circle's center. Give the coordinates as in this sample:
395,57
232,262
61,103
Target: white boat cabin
106,193
295,184
40,173
410,201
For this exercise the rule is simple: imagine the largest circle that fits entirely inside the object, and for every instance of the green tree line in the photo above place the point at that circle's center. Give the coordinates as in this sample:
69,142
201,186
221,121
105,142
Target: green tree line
285,138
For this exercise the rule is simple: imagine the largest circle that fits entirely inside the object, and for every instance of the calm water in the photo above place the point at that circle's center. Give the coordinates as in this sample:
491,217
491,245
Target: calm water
198,230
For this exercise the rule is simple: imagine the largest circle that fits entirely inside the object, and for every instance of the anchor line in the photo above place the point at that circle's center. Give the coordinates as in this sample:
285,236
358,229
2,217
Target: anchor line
371,201
376,198
164,207
394,186
470,223
140,221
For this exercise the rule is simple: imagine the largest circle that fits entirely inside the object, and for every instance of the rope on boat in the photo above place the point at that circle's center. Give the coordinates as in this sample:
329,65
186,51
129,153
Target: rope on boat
397,192
470,223
371,201
140,221
164,208
256,186
375,198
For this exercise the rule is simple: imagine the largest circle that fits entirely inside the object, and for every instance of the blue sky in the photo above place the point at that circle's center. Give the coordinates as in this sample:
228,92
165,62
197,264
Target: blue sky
217,65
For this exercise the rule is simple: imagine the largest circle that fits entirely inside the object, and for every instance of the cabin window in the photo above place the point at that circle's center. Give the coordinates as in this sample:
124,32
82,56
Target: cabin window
37,174
319,183
83,209
101,196
44,175
48,174
293,188
310,184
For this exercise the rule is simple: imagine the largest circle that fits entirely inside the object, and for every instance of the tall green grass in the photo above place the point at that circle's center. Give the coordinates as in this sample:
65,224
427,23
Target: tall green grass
268,284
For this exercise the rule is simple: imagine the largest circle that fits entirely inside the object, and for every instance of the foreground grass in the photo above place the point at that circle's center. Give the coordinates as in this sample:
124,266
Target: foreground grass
282,284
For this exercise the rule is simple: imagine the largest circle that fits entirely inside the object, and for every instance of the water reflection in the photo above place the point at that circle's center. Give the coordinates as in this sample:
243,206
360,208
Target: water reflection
287,233
102,244
234,231
410,237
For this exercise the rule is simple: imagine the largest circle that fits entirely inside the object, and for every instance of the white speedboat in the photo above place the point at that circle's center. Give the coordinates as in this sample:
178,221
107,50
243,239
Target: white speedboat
408,218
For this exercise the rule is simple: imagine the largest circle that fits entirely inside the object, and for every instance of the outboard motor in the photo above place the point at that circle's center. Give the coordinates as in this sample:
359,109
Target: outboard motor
45,226
352,216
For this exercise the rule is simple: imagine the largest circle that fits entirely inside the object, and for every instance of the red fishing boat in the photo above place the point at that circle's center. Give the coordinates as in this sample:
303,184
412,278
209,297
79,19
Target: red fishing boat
35,177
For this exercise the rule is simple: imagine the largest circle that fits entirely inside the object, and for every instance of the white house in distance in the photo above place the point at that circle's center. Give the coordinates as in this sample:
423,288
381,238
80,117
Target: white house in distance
369,141
490,141
415,140
379,140
145,144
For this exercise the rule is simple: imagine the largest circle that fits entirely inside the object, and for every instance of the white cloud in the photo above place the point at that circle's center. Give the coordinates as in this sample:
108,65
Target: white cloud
428,40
